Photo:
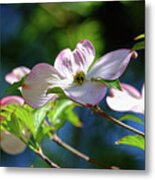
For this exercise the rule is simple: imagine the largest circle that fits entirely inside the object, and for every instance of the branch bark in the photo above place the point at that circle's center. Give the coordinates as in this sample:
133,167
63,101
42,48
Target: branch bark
98,111
46,159
56,139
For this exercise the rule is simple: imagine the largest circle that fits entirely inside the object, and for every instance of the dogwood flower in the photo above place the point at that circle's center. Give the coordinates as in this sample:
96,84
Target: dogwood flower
129,99
11,100
8,142
72,73
17,74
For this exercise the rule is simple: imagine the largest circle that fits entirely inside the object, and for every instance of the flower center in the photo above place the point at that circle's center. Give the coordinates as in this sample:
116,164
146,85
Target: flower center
79,78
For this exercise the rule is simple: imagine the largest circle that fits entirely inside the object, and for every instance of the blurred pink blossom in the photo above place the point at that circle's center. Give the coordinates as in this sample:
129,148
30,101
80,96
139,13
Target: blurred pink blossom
8,142
17,74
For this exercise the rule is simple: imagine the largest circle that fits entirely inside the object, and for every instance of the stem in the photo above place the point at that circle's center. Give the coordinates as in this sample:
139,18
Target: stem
98,111
56,139
46,159
41,154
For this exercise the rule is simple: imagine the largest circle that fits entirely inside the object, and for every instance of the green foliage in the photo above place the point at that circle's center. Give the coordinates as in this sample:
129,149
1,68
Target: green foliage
139,46
131,117
139,37
20,118
130,140
61,112
40,115
14,113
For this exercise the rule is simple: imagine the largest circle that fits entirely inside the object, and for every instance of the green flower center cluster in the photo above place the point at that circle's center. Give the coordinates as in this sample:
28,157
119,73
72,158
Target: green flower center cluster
79,78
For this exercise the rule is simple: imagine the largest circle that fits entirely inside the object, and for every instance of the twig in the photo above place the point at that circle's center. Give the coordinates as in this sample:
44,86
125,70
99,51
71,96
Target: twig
98,111
56,139
46,159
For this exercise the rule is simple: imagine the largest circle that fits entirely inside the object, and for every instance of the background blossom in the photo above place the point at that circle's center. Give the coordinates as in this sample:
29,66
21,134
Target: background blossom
129,99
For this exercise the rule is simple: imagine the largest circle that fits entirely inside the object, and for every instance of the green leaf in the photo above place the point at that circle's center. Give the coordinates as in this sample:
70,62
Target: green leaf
13,124
130,140
40,115
131,117
138,46
109,83
141,36
61,112
16,85
42,132
25,116
71,116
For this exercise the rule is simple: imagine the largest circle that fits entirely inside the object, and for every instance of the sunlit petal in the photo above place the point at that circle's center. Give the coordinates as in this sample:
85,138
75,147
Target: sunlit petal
41,78
64,63
112,65
84,55
88,94
68,63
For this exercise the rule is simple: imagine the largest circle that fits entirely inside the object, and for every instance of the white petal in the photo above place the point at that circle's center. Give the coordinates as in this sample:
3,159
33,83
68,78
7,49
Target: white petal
64,63
88,94
41,78
68,63
124,101
112,65
84,55
17,74
11,144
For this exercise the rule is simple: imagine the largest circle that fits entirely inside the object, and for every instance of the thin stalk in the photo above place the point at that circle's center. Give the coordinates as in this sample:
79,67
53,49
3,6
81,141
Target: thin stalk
56,139
46,159
41,154
99,111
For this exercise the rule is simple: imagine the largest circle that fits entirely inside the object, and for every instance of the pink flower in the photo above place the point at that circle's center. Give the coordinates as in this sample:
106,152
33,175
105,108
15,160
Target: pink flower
8,142
129,99
11,100
72,73
17,74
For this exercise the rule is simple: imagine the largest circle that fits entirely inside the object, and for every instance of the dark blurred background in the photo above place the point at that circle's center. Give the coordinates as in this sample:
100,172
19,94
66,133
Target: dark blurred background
33,33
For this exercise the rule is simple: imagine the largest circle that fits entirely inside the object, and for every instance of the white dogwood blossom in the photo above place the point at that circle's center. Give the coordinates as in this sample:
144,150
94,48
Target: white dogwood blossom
72,73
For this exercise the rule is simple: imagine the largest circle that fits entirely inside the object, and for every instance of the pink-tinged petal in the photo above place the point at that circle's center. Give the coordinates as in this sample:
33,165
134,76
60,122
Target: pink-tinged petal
64,63
131,90
17,74
11,144
112,65
41,78
88,94
68,63
125,100
84,55
11,100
